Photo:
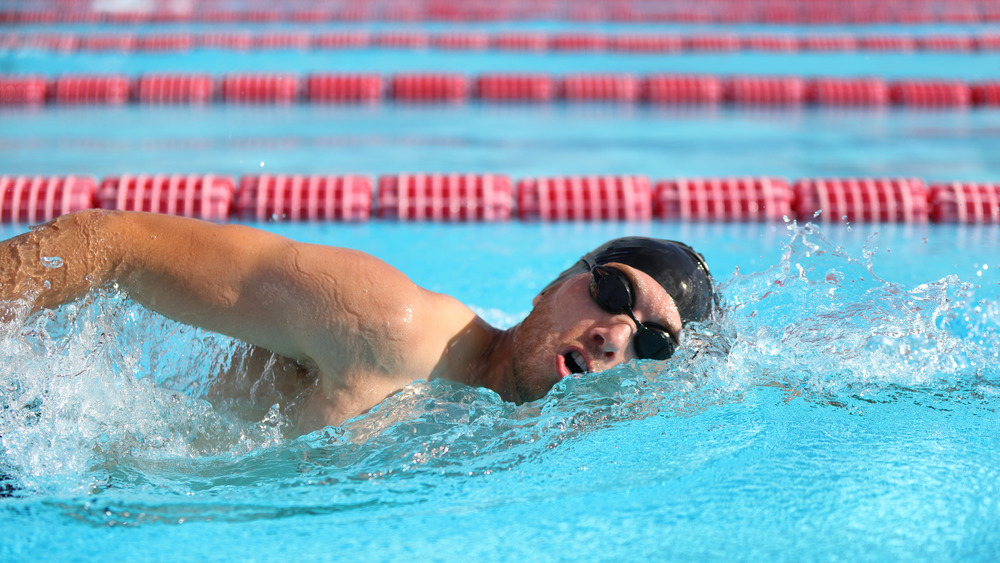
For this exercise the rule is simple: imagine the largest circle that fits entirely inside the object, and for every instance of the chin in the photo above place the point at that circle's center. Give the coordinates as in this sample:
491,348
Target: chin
533,363
530,380
537,342
531,389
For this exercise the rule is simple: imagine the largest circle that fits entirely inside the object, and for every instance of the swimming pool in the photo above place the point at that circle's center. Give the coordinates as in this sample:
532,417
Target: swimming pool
844,407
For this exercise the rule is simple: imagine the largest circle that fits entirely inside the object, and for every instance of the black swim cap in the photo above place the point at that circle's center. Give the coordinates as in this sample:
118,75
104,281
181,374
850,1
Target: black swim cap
674,265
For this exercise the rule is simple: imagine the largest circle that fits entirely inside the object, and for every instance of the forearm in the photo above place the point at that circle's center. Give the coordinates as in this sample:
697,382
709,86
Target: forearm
61,260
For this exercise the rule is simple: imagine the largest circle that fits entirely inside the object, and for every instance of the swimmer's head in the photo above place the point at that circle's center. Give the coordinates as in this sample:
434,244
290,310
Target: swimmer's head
676,266
575,327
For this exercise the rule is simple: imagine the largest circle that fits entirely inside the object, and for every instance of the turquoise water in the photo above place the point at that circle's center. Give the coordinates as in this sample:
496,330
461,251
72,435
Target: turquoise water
522,141
966,66
843,407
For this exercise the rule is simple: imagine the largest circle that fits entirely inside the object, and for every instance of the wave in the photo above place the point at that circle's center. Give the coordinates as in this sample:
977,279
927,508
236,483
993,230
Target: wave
103,400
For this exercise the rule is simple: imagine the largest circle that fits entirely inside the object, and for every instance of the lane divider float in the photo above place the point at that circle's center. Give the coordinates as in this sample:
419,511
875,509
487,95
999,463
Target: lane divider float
723,199
585,198
655,89
74,89
204,196
867,200
774,12
495,197
445,197
34,199
297,197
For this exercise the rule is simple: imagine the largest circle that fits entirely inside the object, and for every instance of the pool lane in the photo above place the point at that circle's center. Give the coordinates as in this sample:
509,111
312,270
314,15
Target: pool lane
521,141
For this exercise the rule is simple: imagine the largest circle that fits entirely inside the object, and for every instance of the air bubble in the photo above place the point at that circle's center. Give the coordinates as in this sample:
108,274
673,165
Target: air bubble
52,261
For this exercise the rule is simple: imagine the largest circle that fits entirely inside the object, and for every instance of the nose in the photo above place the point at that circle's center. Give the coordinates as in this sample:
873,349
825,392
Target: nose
611,338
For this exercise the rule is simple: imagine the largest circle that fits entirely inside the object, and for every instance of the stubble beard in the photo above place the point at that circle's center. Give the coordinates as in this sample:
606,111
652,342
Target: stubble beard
534,354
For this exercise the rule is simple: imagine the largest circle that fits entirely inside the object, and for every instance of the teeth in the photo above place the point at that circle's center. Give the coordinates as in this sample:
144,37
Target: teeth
579,359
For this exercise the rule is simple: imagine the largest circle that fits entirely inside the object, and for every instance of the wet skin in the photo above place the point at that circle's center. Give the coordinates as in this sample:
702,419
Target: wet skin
568,330
348,329
566,334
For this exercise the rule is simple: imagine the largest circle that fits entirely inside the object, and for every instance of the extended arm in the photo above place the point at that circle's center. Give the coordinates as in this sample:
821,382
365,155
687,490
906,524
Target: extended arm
292,298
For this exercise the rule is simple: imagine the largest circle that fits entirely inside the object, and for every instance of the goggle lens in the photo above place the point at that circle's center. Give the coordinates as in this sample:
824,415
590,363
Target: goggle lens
612,290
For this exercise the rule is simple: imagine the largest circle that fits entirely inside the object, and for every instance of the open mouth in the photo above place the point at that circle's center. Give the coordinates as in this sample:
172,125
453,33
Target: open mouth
575,362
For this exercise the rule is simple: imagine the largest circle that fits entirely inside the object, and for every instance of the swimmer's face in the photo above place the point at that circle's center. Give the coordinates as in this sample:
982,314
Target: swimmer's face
569,333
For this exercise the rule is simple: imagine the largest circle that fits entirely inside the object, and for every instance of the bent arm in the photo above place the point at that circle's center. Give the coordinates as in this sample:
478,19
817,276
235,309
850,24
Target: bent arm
59,261
291,298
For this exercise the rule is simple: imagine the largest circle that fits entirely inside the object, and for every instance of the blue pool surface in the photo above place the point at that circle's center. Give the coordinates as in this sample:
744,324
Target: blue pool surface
523,141
842,406
835,411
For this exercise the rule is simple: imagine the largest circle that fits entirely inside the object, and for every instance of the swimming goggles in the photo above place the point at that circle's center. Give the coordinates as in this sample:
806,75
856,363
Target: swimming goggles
612,290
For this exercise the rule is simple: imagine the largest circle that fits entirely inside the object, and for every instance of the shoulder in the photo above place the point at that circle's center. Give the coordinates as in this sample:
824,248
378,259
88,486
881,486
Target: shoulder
349,280
366,315
408,334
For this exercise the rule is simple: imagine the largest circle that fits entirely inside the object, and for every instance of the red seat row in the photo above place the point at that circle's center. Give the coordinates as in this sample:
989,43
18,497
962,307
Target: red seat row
408,87
490,197
505,41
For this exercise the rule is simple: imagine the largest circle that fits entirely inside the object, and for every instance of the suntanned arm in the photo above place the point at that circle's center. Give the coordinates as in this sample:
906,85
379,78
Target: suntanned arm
314,304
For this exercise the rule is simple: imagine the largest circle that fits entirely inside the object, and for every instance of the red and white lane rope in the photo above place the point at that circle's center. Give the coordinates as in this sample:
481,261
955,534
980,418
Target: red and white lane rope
495,197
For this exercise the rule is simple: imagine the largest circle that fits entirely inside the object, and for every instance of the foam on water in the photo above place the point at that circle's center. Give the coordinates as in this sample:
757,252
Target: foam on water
826,320
105,413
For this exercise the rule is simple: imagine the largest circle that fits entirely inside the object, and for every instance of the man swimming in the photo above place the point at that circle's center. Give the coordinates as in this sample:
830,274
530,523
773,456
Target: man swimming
358,325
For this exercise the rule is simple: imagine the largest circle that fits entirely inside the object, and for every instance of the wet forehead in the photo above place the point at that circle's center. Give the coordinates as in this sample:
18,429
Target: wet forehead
652,303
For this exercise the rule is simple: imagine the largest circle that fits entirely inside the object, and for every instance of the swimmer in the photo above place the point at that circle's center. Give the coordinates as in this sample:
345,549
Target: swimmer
350,330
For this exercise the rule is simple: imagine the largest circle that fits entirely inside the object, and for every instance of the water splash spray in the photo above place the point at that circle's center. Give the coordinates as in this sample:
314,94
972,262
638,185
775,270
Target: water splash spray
102,394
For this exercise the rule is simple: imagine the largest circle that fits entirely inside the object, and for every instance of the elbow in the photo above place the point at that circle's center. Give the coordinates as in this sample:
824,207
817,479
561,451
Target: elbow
78,242
97,240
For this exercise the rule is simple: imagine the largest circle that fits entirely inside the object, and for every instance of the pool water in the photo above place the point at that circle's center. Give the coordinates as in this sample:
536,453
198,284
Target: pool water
521,141
842,405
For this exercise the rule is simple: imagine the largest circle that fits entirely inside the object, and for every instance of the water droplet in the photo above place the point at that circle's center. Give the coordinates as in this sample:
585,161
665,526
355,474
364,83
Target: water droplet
46,284
52,261
262,164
